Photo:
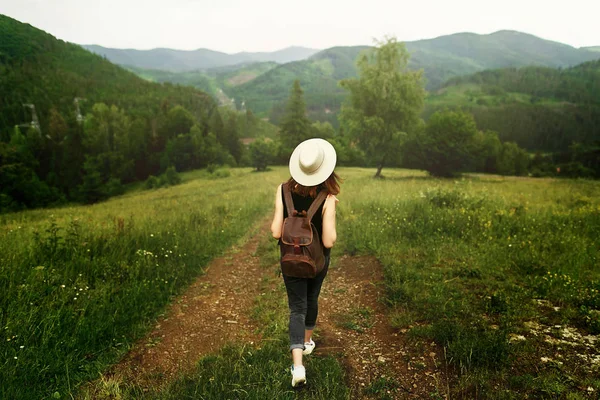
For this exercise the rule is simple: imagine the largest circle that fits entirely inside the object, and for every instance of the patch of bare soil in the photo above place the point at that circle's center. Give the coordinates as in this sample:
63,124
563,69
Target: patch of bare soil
213,311
380,361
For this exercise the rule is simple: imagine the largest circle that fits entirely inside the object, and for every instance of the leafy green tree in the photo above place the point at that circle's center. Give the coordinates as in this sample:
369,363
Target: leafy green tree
295,126
384,102
512,160
323,130
448,144
262,153
179,153
486,152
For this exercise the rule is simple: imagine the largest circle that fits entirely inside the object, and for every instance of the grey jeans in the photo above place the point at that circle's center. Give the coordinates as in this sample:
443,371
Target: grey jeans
303,300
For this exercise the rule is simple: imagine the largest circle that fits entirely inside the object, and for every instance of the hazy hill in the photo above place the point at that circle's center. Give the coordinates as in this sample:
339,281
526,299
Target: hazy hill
440,58
540,108
184,60
35,67
592,48
209,80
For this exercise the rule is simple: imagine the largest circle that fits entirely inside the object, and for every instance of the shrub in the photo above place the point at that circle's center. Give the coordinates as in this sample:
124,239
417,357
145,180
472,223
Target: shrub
222,173
152,182
114,187
171,177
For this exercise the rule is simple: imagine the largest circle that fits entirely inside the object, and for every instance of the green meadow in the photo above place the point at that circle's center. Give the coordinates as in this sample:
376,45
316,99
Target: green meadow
502,272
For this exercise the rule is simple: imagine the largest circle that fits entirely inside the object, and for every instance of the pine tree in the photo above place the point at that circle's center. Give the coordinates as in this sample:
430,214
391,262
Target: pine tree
295,126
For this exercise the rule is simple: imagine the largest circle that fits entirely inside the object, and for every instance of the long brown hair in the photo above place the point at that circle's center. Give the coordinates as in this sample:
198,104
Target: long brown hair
331,184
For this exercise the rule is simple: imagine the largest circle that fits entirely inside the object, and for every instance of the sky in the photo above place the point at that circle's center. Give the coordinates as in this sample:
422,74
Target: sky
267,25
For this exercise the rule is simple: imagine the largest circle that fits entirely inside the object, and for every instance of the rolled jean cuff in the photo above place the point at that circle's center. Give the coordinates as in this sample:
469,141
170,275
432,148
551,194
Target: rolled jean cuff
297,346
310,328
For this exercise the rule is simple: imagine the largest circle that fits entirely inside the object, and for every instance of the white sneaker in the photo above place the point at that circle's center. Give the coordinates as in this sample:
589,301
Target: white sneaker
298,376
308,347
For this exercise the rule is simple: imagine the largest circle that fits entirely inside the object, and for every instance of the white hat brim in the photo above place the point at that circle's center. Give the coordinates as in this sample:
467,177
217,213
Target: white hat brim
322,173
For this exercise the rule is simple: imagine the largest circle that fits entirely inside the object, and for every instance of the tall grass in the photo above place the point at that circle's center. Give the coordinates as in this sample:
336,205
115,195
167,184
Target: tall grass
468,262
80,284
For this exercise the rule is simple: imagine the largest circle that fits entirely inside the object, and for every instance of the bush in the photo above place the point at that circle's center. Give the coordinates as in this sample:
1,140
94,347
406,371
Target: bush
152,182
262,153
575,170
448,143
221,173
171,176
211,168
114,187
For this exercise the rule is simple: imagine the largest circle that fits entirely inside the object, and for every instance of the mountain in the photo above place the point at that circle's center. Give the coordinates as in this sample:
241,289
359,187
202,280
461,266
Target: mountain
37,68
188,60
592,48
539,108
209,80
440,58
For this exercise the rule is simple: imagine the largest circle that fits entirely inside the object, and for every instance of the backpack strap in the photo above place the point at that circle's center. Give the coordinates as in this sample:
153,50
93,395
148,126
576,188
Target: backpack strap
316,204
289,203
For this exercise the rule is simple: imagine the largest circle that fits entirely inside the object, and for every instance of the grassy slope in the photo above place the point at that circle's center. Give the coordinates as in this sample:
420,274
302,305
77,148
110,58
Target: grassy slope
470,263
464,261
120,262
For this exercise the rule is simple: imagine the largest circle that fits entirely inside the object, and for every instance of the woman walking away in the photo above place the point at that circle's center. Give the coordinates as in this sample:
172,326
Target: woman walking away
304,223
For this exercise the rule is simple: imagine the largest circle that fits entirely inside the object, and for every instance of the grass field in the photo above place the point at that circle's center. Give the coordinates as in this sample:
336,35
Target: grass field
80,284
502,272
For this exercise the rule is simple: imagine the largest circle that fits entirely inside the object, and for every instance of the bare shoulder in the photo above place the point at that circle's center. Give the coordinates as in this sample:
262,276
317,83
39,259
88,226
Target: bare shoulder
330,202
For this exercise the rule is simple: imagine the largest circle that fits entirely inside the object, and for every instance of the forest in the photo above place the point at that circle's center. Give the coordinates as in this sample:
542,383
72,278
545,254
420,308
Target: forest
76,127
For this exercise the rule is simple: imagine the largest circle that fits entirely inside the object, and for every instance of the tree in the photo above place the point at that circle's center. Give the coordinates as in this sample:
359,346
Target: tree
385,102
487,150
449,143
512,160
261,153
295,126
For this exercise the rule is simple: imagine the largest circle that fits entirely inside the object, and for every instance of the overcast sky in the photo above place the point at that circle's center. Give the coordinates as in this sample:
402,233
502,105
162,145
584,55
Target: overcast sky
267,25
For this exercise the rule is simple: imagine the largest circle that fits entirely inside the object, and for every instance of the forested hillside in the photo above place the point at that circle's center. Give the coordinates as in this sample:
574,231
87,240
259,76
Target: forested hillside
440,58
209,80
73,126
539,108
184,60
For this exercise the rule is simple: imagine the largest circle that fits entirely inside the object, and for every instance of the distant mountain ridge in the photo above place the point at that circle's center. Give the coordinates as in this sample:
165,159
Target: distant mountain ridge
441,58
265,90
188,60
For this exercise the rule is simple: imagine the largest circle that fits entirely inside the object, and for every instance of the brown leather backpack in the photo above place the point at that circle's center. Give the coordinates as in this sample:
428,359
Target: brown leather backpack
301,247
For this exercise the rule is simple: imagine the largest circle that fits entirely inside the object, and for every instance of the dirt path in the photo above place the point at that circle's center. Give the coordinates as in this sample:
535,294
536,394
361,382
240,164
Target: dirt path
212,312
380,361
352,326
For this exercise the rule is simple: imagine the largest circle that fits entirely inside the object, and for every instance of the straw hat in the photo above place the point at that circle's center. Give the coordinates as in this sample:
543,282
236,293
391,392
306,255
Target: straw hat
312,162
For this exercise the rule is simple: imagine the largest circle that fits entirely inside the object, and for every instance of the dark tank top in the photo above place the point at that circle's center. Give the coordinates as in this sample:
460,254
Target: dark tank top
302,203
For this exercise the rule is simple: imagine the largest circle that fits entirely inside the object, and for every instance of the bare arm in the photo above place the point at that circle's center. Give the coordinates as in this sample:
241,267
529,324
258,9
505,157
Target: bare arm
329,232
277,224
